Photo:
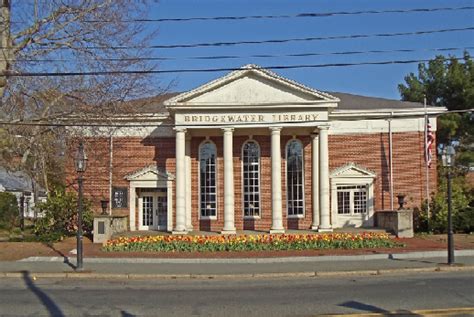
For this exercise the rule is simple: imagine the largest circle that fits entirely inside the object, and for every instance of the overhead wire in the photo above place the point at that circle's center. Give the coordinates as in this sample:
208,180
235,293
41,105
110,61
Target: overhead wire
209,70
298,15
217,57
258,42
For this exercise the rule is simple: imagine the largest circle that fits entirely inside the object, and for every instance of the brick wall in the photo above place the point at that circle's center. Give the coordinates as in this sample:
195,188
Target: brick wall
370,151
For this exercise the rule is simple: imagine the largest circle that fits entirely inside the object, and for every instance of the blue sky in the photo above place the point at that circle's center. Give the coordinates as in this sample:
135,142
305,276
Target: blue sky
378,81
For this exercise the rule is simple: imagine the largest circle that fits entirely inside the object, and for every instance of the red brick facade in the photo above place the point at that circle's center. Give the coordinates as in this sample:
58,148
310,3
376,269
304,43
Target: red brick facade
370,151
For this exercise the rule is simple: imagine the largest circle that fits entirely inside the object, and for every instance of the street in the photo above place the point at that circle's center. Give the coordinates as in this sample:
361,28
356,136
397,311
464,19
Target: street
247,297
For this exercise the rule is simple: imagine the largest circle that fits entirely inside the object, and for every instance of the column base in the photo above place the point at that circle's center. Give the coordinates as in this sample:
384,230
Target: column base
276,231
174,232
315,228
228,231
325,229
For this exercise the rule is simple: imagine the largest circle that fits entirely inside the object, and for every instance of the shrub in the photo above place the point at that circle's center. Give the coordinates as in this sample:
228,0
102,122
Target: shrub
60,216
462,209
8,210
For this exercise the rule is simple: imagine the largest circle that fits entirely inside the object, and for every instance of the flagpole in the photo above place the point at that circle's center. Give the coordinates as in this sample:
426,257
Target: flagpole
390,140
428,213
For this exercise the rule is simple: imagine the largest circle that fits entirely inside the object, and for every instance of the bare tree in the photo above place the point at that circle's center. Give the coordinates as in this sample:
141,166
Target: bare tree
67,36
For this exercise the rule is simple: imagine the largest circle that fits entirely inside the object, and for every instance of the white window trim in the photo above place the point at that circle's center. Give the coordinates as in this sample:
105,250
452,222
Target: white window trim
299,216
259,179
351,199
201,217
361,219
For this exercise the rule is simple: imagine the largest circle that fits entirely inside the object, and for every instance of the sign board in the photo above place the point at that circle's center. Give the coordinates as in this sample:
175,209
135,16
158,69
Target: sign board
119,197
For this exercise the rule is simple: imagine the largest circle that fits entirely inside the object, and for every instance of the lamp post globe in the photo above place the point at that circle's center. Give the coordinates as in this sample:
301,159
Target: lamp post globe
448,162
80,164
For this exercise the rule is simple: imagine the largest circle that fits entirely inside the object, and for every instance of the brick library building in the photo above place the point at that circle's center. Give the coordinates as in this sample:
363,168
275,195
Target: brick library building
255,151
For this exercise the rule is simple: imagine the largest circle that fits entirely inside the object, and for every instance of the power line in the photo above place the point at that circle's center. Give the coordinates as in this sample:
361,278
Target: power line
299,15
309,54
209,70
274,41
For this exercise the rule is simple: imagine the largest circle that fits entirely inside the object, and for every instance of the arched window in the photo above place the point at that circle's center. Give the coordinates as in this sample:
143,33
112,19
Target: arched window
251,178
208,179
294,178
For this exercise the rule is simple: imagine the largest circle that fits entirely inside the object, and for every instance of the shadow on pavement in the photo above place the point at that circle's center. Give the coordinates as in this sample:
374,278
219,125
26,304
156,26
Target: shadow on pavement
65,258
47,302
375,309
390,257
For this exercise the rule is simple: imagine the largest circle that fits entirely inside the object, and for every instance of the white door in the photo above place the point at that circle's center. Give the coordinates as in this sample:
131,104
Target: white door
153,211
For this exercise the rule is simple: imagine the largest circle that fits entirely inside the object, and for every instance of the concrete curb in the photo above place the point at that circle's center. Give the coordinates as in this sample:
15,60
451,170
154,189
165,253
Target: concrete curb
296,259
311,274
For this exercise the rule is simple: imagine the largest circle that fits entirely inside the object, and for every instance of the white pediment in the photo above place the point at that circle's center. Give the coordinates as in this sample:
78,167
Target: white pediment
351,170
251,85
149,173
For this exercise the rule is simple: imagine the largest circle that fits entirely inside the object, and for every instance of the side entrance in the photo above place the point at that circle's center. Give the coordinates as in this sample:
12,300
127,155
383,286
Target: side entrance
153,210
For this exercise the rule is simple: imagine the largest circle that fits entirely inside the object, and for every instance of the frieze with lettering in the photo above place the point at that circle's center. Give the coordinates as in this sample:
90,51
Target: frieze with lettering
248,118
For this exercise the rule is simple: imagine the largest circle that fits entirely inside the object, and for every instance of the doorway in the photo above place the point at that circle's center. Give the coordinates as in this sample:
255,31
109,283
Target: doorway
153,209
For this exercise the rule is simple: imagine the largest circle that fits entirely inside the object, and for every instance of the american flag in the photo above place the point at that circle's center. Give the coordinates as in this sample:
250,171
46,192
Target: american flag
429,143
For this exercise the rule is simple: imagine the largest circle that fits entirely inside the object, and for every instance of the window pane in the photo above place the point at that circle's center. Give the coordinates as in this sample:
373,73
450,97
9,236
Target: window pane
294,177
251,175
207,174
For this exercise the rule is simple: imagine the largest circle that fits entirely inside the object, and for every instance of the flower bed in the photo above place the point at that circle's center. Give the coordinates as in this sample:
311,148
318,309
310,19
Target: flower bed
266,242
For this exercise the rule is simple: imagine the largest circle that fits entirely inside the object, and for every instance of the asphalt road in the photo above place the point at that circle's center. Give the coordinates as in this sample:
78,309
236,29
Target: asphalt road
263,297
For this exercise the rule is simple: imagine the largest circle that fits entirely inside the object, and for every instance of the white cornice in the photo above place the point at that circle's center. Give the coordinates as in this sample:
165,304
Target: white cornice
386,113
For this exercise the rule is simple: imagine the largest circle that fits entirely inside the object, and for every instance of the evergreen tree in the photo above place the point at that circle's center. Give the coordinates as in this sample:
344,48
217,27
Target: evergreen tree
447,82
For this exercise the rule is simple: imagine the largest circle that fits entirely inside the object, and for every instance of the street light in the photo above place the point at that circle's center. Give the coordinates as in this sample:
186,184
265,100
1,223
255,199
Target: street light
81,163
448,161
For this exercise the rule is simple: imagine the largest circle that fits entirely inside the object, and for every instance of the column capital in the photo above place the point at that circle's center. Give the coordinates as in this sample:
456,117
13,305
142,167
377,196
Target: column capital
314,135
179,129
227,129
275,130
323,127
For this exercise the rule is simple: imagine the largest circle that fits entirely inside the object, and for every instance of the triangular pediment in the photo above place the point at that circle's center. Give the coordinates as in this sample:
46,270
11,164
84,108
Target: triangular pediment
149,173
251,85
352,170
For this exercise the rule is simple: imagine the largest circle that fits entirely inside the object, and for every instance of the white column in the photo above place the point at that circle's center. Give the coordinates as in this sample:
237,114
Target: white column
133,195
324,209
180,182
229,226
189,224
315,180
277,217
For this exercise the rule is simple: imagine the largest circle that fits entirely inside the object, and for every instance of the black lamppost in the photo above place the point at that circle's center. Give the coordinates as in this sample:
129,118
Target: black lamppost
81,162
448,162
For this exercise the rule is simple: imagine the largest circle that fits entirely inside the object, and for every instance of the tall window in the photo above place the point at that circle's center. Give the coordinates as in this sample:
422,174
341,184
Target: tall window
351,199
208,180
251,178
294,178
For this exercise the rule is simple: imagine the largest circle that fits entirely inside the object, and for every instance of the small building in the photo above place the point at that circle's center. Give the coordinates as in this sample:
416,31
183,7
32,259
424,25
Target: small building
23,187
255,151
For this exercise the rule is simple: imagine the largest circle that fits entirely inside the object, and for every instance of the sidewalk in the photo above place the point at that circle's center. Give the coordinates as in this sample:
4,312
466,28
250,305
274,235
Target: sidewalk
420,254
132,268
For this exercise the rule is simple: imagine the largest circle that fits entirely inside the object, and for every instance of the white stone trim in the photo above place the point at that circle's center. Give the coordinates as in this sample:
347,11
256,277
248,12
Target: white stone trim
243,71
342,177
